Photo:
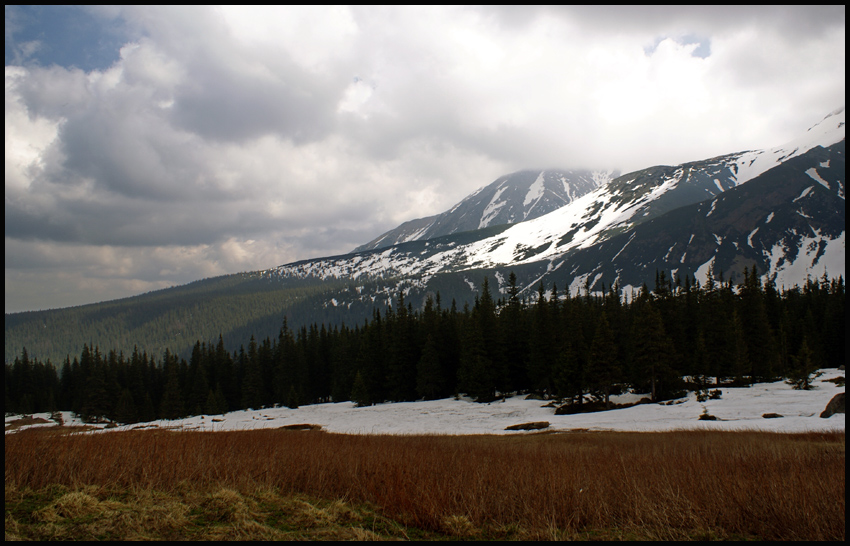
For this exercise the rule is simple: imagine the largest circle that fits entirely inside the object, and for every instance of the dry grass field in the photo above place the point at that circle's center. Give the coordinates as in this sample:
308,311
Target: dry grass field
265,484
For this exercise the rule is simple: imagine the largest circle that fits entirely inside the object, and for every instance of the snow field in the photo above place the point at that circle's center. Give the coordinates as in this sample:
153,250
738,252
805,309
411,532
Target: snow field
737,409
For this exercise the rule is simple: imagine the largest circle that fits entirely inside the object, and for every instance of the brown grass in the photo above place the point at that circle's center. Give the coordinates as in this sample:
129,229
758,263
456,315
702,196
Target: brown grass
677,485
23,421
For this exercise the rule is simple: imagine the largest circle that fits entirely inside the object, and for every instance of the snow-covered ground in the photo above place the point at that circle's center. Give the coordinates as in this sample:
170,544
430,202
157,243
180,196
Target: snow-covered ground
737,409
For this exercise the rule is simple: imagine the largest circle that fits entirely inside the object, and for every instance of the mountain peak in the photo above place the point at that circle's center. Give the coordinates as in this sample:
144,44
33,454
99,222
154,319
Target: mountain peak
510,199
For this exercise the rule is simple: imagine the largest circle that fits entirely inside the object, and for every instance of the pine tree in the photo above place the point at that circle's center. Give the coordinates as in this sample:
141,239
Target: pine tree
740,360
653,351
761,345
199,388
571,381
475,376
803,368
147,412
97,400
515,340
700,365
172,403
359,392
216,402
429,376
402,359
603,369
291,400
252,384
541,352
125,412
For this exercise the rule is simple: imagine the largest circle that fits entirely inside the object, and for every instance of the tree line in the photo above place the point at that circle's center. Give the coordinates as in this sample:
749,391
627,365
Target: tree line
568,347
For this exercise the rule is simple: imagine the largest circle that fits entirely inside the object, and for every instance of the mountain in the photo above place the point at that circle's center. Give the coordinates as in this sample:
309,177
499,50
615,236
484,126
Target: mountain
788,222
512,198
571,237
780,209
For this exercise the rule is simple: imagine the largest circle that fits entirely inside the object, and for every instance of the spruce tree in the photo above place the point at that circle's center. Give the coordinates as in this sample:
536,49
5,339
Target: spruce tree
359,392
252,384
199,388
603,369
541,350
571,381
803,368
148,411
514,339
475,376
171,406
125,412
700,365
429,373
741,369
761,345
291,400
402,359
653,351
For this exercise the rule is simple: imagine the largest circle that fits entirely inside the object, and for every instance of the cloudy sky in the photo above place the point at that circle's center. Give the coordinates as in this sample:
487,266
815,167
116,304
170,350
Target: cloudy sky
153,146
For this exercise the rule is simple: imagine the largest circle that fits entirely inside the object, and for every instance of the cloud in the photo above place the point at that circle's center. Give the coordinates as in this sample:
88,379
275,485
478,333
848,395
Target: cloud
232,139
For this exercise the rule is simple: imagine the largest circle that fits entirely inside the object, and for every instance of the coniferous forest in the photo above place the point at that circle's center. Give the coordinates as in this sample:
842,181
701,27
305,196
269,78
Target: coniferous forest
572,348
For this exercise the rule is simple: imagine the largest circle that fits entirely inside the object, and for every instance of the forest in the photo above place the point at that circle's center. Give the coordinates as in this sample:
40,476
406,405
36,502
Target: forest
678,336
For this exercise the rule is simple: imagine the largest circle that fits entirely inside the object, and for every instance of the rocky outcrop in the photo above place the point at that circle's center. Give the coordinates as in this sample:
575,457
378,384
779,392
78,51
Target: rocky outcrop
836,405
302,426
536,425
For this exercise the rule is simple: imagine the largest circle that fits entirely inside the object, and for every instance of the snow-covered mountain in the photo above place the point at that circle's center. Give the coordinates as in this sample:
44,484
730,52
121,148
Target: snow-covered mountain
791,223
780,209
512,198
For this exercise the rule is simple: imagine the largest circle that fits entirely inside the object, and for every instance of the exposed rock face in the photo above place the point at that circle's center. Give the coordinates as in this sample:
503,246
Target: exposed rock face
836,405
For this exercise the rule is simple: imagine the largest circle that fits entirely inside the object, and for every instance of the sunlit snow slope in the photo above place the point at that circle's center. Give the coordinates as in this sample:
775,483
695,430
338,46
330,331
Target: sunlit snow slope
512,198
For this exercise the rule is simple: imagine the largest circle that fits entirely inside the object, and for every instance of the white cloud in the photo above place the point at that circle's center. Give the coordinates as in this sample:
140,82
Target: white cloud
309,131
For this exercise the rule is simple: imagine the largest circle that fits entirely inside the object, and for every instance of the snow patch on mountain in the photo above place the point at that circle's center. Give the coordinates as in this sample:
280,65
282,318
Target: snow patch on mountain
535,191
492,208
750,237
815,256
804,193
813,173
702,271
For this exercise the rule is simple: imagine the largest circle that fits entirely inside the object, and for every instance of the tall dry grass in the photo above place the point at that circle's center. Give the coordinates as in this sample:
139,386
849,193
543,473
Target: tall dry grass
663,485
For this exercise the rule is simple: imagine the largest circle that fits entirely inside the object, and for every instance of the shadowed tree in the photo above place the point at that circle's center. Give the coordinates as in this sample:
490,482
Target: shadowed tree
653,350
359,392
603,368
429,374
